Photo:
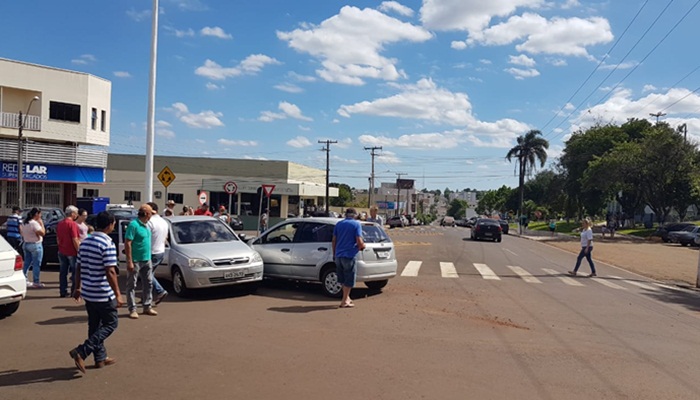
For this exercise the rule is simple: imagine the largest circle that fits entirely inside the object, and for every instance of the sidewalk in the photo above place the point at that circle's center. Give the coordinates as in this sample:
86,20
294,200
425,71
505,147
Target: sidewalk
665,262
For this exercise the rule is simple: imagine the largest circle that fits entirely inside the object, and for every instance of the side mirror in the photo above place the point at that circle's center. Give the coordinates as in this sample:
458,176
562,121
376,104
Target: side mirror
242,236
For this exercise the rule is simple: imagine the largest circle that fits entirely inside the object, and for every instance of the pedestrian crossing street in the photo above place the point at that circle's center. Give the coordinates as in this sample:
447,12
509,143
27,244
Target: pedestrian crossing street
535,276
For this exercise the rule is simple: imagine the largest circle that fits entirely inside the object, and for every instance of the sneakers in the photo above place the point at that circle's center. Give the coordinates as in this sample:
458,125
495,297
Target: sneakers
150,311
572,273
592,274
160,297
134,315
78,359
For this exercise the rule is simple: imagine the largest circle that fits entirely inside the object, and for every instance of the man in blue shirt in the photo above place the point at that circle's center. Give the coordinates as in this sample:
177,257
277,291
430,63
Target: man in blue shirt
347,242
13,221
96,282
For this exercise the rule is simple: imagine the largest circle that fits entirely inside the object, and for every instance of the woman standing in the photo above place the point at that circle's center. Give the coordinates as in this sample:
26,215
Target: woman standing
82,226
586,247
33,232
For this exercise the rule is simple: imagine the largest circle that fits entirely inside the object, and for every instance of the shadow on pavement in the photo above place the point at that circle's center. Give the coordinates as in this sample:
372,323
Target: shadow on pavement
17,378
302,309
305,291
689,300
78,319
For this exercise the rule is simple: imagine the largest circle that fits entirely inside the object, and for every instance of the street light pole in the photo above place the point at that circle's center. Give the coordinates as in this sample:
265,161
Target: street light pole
20,163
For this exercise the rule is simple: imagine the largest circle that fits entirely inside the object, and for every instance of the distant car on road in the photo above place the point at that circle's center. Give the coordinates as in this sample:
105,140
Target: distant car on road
236,223
685,237
461,222
486,228
396,221
447,221
664,230
504,226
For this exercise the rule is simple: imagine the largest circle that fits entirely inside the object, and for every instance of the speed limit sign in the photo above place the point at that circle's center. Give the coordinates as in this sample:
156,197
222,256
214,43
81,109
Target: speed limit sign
230,187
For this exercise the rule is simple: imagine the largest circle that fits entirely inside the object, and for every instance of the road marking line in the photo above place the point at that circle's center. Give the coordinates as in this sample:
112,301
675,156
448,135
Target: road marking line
608,283
527,277
486,272
676,288
448,270
510,252
412,268
638,284
568,281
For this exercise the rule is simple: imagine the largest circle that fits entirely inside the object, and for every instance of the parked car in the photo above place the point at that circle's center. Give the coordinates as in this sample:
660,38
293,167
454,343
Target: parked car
236,223
504,226
205,252
461,222
396,221
13,284
447,221
486,228
685,237
664,230
51,217
471,221
301,249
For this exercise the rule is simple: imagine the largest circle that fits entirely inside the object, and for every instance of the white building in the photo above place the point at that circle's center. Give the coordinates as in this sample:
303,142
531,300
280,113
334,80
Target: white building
66,115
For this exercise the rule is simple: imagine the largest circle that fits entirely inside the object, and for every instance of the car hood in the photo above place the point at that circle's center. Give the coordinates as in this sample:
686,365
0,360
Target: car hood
215,250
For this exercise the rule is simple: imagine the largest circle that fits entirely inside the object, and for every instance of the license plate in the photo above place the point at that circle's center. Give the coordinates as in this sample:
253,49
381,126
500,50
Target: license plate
234,274
488,234
382,254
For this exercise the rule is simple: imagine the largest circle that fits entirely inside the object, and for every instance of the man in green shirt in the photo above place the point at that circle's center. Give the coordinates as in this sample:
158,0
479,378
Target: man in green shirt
137,247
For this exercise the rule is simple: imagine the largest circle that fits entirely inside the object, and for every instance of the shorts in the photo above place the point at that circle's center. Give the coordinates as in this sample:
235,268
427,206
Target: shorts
552,229
346,269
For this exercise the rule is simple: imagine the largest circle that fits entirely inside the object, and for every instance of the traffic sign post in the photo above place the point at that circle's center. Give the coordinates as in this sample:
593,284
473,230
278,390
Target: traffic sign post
166,177
231,188
202,197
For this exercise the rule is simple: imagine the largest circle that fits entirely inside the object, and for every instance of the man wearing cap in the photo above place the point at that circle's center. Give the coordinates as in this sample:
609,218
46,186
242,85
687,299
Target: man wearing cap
347,242
170,209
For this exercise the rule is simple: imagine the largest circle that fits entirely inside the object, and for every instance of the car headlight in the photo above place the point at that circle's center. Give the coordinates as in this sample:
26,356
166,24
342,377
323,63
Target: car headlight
257,257
199,263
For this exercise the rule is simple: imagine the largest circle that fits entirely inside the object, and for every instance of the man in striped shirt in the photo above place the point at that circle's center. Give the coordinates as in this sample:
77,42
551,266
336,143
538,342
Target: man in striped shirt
13,223
96,283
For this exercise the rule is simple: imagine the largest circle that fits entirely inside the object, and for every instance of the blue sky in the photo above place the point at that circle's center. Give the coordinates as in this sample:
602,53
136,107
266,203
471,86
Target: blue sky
444,86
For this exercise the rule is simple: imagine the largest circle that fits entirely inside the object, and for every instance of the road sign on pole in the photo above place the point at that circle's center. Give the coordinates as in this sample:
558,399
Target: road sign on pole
202,197
166,176
230,187
268,189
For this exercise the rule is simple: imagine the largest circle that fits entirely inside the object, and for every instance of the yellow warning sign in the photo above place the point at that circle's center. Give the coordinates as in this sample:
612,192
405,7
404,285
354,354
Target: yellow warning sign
166,176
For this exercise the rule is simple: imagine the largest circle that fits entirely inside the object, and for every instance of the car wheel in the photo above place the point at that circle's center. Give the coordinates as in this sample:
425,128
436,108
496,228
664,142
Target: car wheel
179,285
8,309
329,282
376,285
498,239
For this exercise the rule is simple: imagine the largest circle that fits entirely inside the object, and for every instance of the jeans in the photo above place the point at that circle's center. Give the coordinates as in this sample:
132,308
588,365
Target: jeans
102,321
33,254
586,254
67,265
156,259
143,270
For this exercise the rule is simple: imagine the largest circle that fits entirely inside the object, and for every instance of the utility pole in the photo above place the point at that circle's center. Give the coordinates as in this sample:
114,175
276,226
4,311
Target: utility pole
151,112
327,149
684,128
20,157
371,179
398,191
657,115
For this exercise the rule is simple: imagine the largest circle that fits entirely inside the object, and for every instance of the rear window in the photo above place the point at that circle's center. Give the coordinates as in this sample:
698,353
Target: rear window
374,234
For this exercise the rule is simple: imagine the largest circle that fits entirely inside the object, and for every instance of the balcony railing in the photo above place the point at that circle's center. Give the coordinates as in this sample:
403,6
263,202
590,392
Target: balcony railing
11,120
53,153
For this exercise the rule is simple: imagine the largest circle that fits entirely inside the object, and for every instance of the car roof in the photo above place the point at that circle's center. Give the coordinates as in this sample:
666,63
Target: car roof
186,218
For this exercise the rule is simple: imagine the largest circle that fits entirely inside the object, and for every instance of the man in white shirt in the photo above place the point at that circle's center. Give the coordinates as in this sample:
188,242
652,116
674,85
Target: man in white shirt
373,217
159,234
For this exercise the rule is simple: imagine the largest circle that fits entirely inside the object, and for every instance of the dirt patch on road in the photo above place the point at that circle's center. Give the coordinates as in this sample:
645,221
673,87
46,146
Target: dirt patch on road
507,322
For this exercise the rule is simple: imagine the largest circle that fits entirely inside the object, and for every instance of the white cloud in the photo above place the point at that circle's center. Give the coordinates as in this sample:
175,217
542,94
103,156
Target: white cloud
344,160
122,74
301,78
239,143
389,157
344,143
649,88
570,4
84,59
204,120
188,5
468,15
250,66
215,31
138,16
304,128
247,157
522,59
485,61
299,142
289,88
389,6
184,33
213,86
520,74
624,65
288,110
475,79
349,44
557,62
458,45
568,107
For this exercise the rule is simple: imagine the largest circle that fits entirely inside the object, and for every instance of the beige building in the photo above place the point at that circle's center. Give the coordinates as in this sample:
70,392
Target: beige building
65,116
298,188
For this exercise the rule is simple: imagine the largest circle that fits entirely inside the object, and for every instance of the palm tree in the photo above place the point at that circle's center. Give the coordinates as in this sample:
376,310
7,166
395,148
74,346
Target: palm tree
529,147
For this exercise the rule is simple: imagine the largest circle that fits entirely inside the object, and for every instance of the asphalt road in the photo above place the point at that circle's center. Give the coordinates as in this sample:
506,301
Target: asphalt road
468,320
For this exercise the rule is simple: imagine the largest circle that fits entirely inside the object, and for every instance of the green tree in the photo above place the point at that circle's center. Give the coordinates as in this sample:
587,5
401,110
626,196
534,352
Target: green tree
457,208
530,148
344,195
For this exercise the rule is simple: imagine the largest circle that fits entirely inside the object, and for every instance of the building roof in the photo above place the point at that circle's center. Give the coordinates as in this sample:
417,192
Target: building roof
53,68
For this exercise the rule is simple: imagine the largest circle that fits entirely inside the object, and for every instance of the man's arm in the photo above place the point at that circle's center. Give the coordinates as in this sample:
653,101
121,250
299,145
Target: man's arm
333,245
360,243
114,284
127,252
76,274
76,236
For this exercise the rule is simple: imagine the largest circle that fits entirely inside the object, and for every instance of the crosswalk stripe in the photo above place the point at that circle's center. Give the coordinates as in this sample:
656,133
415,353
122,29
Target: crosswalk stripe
448,270
676,288
638,284
486,272
524,274
568,281
412,268
608,283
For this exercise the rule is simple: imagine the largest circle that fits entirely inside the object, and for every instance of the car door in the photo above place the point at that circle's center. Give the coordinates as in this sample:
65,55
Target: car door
121,232
313,247
275,248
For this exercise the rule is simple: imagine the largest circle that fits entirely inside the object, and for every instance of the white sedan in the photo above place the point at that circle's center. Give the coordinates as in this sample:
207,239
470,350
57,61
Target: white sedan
13,284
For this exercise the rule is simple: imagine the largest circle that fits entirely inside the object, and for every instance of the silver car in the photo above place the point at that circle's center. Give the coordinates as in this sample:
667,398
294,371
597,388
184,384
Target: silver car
301,249
205,252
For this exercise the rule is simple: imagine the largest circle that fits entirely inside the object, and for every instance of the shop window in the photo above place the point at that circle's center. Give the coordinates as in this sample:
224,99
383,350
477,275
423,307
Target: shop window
64,111
130,196
93,119
91,192
103,121
178,198
53,195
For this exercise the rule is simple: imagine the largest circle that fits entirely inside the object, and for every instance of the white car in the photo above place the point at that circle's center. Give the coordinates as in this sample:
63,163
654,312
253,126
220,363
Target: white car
301,249
13,284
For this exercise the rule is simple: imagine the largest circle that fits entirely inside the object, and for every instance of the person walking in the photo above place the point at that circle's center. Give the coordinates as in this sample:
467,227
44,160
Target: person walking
373,217
586,248
14,238
97,284
552,226
263,221
347,242
68,240
159,235
33,231
82,226
137,247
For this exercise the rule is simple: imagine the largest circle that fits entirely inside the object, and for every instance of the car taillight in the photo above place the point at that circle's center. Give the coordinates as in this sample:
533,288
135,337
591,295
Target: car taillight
500,229
19,263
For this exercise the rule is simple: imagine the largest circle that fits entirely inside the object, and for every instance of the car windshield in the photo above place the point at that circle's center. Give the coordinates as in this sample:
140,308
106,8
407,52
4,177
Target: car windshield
374,234
202,231
690,229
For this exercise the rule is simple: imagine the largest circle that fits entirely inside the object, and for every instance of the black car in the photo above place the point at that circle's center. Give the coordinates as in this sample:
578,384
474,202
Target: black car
236,223
663,231
685,237
504,226
486,228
